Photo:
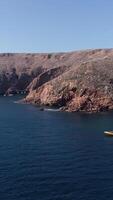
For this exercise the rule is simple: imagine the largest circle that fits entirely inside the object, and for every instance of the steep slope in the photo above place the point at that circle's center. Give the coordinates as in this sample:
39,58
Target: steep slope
76,81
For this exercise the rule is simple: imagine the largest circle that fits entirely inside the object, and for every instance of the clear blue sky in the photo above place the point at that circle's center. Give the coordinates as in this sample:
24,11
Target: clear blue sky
55,25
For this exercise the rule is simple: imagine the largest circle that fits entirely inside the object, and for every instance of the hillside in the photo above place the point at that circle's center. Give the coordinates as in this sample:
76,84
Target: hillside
75,81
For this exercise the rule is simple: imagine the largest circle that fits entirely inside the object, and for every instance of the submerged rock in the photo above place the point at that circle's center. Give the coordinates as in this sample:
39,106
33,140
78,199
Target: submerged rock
41,109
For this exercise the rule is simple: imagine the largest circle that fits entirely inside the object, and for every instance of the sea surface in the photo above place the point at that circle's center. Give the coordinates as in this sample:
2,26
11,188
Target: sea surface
48,155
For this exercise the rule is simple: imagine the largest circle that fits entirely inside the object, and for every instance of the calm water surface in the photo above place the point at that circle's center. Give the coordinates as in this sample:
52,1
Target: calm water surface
54,156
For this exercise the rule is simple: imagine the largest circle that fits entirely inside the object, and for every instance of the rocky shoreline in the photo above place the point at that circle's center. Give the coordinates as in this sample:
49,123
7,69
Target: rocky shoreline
75,81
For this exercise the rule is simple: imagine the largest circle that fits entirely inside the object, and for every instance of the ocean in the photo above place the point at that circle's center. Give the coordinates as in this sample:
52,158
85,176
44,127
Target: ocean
48,155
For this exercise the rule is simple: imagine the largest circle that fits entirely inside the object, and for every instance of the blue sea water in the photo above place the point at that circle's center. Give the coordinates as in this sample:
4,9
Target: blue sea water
48,155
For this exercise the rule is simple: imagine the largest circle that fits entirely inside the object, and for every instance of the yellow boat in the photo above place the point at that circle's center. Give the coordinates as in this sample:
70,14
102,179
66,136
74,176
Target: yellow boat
108,133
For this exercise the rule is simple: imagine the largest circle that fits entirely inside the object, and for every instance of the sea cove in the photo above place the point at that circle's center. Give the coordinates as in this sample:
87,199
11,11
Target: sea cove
54,155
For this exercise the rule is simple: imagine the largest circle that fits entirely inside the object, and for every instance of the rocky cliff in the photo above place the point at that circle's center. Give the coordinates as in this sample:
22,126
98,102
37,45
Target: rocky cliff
75,81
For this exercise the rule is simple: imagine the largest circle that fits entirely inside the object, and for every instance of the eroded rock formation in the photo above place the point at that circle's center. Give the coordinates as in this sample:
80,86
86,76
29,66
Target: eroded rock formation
77,81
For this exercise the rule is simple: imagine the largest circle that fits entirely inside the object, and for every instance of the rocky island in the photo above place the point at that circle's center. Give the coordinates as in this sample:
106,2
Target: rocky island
74,81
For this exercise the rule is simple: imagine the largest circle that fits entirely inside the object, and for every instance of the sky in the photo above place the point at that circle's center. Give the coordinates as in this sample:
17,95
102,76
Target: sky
55,25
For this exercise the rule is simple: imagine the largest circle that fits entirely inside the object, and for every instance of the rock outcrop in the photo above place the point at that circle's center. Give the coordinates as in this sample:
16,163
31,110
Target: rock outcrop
76,81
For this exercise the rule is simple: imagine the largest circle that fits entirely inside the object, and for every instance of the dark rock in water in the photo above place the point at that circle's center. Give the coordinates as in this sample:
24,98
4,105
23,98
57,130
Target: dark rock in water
41,109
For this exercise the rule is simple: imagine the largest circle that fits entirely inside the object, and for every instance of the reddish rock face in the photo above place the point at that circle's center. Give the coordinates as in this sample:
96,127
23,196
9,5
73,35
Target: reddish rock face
76,81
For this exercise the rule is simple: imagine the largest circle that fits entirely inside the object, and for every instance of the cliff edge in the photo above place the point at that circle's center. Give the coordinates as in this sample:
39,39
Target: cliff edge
75,81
